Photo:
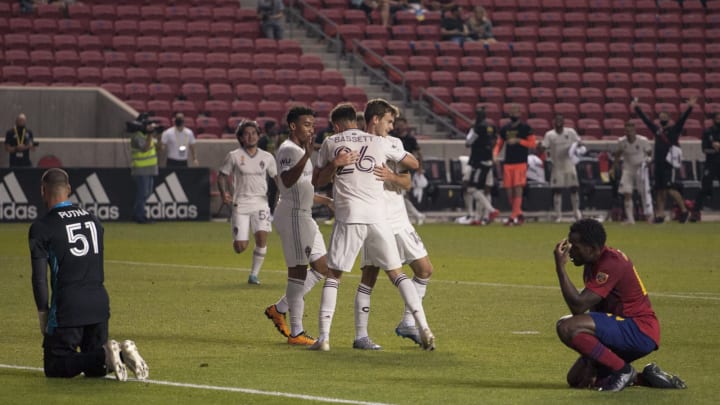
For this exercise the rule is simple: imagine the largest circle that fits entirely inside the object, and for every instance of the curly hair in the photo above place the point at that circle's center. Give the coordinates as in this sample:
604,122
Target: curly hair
296,112
591,232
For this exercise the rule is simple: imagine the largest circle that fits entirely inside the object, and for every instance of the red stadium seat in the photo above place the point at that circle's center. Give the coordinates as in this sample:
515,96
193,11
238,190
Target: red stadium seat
64,74
518,95
496,79
493,95
591,111
617,95
519,79
667,80
188,108
271,109
567,95
469,78
465,94
592,95
42,58
149,44
544,79
643,79
546,64
161,92
89,75
115,89
221,92
569,111
138,75
39,75
14,74
569,79
594,80
137,91
243,109
616,110
542,95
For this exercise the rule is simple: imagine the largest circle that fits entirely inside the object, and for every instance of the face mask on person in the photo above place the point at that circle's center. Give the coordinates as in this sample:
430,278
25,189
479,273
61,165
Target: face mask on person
514,119
664,122
179,122
20,126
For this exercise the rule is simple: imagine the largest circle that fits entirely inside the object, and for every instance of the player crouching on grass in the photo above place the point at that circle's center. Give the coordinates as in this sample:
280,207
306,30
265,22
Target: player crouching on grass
612,322
70,240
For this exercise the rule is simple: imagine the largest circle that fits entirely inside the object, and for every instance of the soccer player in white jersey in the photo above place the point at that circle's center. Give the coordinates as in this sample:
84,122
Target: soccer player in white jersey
563,174
301,238
249,167
354,157
379,116
635,151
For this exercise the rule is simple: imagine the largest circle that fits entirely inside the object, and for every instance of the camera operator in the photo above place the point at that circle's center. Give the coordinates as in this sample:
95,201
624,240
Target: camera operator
144,149
176,141
19,141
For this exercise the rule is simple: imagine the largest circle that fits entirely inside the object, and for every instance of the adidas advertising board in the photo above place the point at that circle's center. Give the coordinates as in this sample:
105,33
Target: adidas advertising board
178,195
14,204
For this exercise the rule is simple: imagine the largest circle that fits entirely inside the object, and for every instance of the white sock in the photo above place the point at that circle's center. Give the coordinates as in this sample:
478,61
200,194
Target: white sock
258,259
575,201
420,285
311,279
469,202
362,310
294,294
557,204
328,301
410,296
282,305
629,210
484,202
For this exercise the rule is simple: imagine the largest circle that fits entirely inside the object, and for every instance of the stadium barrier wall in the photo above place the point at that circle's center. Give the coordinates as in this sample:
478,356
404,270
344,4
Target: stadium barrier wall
179,194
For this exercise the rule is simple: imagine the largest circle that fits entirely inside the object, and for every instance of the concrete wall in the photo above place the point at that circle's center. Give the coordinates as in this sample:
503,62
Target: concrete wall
115,152
57,113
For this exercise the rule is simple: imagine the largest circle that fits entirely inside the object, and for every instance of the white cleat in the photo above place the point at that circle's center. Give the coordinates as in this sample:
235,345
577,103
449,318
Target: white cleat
113,362
134,361
320,345
428,339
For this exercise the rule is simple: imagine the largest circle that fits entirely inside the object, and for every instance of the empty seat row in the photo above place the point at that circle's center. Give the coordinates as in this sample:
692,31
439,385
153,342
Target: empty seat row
217,10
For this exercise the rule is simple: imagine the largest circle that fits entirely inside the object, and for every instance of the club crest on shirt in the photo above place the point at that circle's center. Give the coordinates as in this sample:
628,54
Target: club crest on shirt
262,165
235,230
242,160
601,278
308,251
489,130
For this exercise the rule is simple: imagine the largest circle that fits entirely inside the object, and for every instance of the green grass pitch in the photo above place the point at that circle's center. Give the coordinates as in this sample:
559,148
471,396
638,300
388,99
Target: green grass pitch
180,292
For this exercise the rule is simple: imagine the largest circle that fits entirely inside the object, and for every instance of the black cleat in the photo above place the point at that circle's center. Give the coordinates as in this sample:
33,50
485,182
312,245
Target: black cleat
618,380
684,216
656,378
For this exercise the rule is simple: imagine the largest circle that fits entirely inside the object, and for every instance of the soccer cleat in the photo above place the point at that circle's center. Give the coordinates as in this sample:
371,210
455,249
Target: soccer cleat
409,332
366,343
253,280
659,220
684,217
301,340
278,319
656,378
113,361
618,380
427,339
134,361
320,346
421,219
493,215
510,221
478,222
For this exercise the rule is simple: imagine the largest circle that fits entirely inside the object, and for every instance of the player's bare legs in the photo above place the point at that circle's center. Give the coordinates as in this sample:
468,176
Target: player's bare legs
412,301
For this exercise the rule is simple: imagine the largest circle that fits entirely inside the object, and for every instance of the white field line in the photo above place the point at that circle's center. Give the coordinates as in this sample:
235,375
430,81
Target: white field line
707,296
226,389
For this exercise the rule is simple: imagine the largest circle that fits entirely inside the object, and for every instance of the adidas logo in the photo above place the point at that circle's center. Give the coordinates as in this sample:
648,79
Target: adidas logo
13,201
92,197
169,201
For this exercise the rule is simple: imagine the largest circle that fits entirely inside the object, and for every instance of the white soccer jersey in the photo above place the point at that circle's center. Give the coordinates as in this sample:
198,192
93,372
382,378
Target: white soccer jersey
298,199
249,178
558,145
177,142
394,199
634,154
357,192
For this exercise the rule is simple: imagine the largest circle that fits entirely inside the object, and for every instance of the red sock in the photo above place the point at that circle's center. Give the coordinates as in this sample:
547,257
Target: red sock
588,345
516,206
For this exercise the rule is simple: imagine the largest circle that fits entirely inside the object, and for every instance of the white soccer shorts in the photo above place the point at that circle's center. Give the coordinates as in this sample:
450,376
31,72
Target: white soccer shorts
257,221
563,178
301,239
410,247
377,240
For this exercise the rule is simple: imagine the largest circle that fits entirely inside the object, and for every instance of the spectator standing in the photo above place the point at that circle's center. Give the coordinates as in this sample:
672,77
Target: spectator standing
711,170
667,144
271,16
19,141
177,140
481,140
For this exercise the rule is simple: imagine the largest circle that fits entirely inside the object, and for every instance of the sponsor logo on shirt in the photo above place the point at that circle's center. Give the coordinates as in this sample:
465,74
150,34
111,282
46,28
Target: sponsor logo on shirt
13,201
92,197
169,201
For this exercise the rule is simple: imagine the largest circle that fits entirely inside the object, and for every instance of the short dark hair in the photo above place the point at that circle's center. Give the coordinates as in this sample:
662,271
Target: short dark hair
296,112
590,231
378,107
55,178
343,112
